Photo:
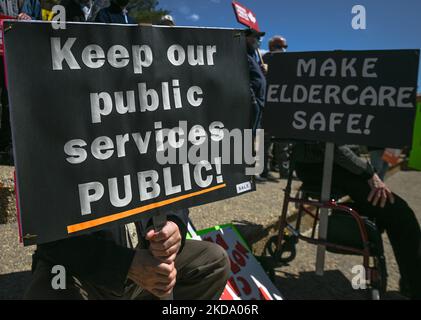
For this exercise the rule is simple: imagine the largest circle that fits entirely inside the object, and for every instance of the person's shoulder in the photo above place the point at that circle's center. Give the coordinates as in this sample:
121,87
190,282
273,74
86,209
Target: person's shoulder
102,15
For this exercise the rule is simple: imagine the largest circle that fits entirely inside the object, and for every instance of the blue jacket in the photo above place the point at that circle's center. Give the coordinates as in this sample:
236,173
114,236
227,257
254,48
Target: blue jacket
113,14
32,8
258,90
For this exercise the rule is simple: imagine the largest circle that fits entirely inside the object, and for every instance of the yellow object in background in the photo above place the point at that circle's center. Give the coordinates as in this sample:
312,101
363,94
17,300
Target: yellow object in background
47,15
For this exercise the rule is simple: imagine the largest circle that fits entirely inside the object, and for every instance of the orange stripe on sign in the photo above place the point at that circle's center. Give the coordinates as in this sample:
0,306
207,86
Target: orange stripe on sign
121,215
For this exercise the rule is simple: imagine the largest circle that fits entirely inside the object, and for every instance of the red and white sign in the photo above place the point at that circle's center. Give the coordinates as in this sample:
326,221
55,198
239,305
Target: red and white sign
392,156
248,280
2,18
245,16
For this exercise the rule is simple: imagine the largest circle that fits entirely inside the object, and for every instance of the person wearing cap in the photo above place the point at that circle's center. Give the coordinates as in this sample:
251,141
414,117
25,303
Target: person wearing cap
258,70
280,159
167,20
257,78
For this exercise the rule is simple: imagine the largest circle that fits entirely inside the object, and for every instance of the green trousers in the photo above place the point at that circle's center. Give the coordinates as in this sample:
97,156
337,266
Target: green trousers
203,269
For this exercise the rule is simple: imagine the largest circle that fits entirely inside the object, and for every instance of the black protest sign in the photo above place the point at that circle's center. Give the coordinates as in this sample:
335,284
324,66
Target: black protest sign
358,97
100,111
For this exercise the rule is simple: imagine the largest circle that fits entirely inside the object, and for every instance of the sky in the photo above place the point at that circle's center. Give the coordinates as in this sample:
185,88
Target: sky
314,25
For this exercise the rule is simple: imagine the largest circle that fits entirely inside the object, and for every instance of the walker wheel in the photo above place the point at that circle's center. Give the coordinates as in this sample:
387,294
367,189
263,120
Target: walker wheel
287,252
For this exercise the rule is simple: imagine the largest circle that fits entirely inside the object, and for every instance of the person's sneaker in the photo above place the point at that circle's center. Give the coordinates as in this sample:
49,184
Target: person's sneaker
260,179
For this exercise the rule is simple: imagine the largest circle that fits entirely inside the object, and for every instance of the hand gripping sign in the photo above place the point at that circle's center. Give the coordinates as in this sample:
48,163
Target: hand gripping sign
137,120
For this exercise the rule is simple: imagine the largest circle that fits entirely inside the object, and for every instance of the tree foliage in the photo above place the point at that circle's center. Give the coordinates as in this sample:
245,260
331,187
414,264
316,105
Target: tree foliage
146,11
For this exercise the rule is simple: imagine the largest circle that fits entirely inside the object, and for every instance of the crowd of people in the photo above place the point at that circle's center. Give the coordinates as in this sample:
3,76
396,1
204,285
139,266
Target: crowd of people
115,263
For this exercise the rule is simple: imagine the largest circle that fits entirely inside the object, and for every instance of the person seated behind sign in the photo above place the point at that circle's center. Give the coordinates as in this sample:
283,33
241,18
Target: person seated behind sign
116,12
371,198
22,10
116,263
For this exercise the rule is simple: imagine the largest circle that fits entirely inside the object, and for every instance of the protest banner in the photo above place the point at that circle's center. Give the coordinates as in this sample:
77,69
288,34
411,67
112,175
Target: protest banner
133,125
248,280
343,97
245,16
415,155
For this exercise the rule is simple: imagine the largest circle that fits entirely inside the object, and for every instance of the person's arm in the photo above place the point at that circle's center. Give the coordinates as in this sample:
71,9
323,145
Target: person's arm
97,260
379,194
343,157
255,77
348,160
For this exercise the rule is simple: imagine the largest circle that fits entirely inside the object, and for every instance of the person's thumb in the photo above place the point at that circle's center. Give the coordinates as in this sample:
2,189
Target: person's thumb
150,234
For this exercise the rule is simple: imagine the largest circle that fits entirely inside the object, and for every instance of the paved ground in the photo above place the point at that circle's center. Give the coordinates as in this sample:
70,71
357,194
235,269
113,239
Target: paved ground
257,214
